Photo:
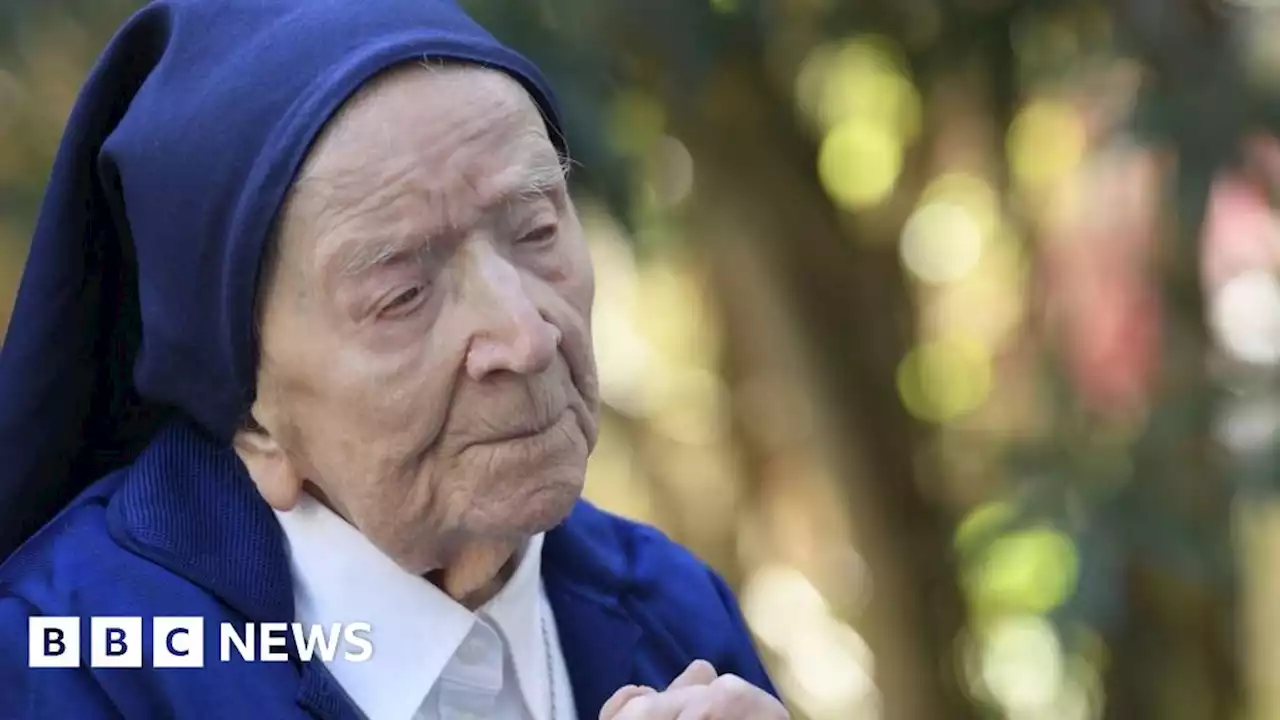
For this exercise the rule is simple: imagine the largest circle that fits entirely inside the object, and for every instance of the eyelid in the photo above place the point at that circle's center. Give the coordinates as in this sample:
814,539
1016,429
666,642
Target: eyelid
539,232
390,305
537,223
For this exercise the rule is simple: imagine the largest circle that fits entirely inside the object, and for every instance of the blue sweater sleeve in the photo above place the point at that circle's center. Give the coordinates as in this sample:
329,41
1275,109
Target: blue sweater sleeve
42,693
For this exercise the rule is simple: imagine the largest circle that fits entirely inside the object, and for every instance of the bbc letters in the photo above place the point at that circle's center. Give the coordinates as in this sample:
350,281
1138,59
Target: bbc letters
180,642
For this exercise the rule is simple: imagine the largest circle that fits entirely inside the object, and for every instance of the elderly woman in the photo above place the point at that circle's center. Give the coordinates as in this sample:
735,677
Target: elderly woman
304,337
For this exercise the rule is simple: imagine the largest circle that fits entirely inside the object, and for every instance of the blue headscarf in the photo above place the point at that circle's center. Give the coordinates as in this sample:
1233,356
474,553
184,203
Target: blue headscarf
137,303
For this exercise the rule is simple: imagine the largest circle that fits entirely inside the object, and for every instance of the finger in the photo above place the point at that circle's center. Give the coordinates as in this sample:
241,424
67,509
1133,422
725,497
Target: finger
703,707
664,705
734,697
624,695
699,672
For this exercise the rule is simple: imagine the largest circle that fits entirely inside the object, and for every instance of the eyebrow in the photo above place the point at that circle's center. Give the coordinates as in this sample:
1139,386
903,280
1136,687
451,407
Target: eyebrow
544,174
533,181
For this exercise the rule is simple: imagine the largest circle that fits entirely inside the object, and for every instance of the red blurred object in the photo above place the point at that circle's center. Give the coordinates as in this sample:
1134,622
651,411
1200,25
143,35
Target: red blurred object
1101,293
1240,231
1100,296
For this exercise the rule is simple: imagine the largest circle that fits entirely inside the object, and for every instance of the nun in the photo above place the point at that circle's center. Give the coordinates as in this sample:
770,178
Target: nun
304,337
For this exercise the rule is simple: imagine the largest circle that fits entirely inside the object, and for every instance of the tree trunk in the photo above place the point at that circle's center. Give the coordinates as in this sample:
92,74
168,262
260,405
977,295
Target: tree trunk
855,316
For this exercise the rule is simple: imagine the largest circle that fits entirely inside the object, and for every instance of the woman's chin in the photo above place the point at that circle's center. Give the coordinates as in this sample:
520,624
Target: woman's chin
539,508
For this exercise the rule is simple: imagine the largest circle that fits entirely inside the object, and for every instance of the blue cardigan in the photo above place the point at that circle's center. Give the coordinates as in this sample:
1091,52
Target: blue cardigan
183,532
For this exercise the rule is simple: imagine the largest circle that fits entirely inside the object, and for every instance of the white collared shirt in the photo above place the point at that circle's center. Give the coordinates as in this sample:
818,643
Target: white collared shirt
432,658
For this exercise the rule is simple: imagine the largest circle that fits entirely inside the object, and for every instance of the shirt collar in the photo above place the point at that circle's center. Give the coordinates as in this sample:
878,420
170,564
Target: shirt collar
519,611
339,576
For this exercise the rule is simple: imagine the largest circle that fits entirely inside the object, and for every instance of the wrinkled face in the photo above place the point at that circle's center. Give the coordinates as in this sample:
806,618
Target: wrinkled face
426,364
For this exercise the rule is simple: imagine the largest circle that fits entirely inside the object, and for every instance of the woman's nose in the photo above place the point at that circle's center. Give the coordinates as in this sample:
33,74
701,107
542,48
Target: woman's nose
510,332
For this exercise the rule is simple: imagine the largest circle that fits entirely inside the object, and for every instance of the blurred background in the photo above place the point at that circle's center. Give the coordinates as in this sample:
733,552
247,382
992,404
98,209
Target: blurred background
947,330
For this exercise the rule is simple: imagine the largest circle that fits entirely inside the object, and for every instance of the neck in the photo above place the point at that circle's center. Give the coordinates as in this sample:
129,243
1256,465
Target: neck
476,573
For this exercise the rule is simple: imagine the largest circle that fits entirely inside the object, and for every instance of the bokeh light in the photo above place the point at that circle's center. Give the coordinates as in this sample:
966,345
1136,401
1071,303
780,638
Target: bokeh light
946,379
670,175
827,668
1245,316
989,303
1022,664
866,110
1032,570
941,242
1046,142
864,77
623,355
859,163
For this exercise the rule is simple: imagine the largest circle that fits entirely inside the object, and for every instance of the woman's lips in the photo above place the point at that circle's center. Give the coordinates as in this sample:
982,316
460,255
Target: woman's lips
518,434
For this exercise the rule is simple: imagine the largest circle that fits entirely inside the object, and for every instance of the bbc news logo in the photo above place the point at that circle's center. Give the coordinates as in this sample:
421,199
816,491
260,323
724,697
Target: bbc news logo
178,642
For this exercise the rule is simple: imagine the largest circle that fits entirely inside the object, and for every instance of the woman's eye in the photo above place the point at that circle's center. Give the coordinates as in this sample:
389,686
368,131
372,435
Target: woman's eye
403,299
542,234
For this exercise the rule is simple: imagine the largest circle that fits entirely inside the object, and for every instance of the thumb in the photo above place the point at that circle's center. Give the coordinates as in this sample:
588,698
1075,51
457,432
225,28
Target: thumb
699,672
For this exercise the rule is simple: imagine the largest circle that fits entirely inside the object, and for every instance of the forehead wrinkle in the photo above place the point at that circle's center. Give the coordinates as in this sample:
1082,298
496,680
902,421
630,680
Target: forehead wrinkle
335,176
342,215
382,239
339,188
522,183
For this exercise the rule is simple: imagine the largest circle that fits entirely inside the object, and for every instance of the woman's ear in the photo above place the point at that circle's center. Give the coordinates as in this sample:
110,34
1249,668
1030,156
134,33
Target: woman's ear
268,464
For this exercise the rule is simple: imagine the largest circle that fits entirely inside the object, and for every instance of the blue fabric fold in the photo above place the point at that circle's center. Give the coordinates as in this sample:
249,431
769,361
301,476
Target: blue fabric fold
137,301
